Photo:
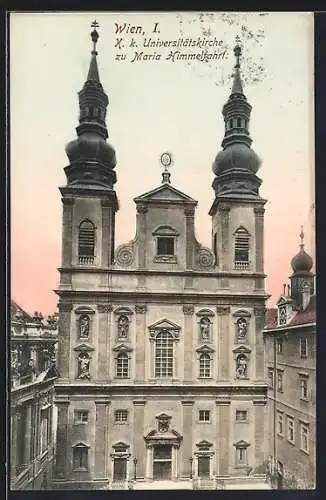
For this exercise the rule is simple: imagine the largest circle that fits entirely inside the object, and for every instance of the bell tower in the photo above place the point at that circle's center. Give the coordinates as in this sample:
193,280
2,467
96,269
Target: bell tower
89,200
238,210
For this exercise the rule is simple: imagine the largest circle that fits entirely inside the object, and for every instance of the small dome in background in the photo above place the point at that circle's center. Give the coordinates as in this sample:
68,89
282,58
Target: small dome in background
302,262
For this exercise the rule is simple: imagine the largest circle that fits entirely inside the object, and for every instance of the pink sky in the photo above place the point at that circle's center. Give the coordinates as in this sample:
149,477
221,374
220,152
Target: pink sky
153,108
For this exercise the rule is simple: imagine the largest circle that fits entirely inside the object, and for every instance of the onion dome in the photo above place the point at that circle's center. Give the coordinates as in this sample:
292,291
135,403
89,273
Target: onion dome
92,159
236,165
302,262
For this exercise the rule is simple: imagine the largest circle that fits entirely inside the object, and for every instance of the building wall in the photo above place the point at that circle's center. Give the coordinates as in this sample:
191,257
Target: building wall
299,465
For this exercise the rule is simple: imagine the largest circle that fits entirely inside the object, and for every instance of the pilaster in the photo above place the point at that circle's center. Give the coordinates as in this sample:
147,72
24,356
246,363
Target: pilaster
259,343
138,437
223,407
259,410
104,312
67,219
140,341
64,325
259,237
224,257
101,439
61,468
189,219
223,327
188,311
141,235
186,448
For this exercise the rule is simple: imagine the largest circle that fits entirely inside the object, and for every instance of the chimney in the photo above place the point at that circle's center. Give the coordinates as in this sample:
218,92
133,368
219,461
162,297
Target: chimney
305,295
289,291
284,289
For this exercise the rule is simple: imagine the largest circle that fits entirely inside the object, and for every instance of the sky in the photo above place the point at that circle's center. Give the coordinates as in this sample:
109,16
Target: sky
156,105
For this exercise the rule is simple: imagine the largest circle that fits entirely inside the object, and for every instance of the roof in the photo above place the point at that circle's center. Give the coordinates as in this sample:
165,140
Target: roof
165,193
300,318
14,308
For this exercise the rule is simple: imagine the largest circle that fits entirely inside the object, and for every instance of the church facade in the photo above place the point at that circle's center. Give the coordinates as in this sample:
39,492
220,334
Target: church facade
161,354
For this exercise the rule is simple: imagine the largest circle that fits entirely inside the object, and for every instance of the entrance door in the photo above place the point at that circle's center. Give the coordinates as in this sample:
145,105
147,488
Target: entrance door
162,462
203,466
119,469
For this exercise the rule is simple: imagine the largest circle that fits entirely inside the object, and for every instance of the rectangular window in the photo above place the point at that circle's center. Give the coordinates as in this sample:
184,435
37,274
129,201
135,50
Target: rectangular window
280,429
122,366
81,417
304,437
121,416
164,354
241,456
203,466
241,416
279,381
279,346
165,245
303,387
270,374
204,416
290,429
303,348
80,458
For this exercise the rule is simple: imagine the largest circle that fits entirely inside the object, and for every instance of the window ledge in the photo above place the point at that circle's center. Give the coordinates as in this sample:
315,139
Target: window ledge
80,469
242,421
204,421
205,378
306,452
121,423
280,435
291,442
306,400
80,423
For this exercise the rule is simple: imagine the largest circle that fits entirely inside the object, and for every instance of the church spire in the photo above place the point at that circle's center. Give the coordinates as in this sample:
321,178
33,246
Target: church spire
236,165
92,159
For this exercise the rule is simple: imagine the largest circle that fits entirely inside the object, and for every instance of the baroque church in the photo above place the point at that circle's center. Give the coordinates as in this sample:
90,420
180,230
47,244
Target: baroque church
161,355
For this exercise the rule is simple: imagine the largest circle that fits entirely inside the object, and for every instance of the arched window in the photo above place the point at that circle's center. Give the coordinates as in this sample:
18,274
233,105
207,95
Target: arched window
204,365
122,365
86,242
241,247
164,354
238,122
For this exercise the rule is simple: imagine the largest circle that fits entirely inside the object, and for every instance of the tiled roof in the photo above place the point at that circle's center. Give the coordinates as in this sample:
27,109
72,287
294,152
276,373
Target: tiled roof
306,316
271,318
14,308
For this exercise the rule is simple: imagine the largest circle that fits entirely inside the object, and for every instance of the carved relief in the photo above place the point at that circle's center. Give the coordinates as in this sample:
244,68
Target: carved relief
188,309
83,366
104,308
241,330
123,326
84,326
205,258
204,329
124,255
65,306
140,309
241,366
223,310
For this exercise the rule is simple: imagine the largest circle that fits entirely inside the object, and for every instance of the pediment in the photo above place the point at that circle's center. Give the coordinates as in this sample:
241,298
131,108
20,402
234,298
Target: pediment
242,349
242,313
169,436
204,444
163,416
84,310
80,444
123,310
122,348
205,349
283,301
241,444
120,444
164,324
165,193
84,348
205,312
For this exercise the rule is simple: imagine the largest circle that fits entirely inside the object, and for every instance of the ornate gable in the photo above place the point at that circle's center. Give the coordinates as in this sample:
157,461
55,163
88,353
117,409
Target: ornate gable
164,324
166,194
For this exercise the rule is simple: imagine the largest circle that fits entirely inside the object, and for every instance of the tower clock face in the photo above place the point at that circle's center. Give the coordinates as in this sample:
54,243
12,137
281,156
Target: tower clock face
166,159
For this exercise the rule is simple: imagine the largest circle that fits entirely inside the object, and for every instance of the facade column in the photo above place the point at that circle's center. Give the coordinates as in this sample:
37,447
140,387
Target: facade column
15,415
260,449
188,311
186,446
149,462
259,343
101,439
62,440
138,436
103,340
140,342
223,327
174,465
190,218
106,233
67,218
64,325
259,238
223,436
224,211
28,426
141,234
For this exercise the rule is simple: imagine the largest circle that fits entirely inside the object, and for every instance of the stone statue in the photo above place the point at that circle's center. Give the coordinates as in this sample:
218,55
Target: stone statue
242,328
204,328
83,366
241,368
123,327
84,326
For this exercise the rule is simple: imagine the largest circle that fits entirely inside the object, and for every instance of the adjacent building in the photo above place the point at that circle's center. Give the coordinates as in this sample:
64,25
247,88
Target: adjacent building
32,374
161,354
290,343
